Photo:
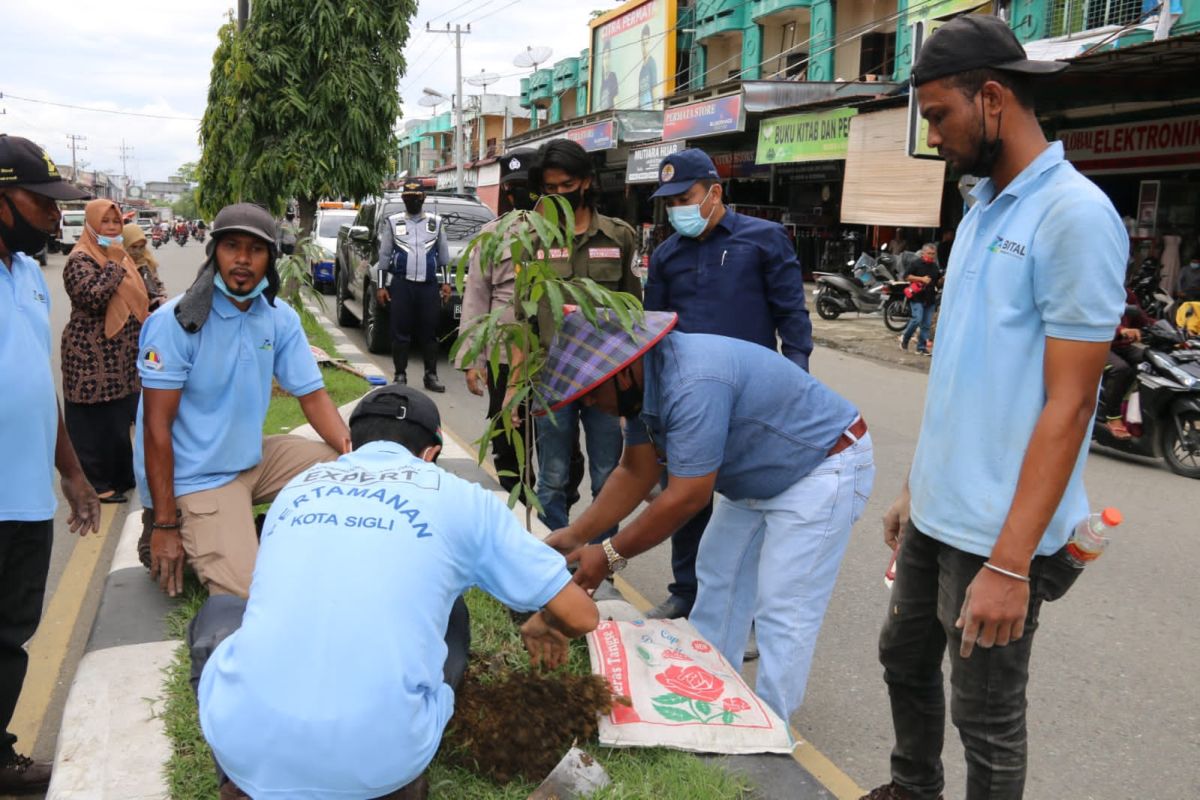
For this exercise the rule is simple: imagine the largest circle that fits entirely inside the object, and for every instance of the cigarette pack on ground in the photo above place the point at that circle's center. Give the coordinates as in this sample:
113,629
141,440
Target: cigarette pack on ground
675,690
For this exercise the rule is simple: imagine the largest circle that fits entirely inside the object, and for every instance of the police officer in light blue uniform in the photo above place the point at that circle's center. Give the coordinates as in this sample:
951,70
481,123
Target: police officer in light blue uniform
341,677
32,436
412,249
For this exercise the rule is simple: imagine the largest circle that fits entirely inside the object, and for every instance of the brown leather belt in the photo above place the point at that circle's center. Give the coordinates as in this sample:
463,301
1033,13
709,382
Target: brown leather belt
856,431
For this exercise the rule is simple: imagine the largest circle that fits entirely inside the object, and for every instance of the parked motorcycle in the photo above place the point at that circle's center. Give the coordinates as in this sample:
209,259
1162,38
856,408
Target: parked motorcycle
1166,400
861,290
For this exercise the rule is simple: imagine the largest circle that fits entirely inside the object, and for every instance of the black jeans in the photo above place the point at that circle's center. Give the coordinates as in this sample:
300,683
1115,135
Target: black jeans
987,690
1119,374
24,565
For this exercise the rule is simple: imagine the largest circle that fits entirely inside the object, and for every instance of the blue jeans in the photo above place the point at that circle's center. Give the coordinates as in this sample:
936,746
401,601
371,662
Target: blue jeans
774,562
922,315
556,433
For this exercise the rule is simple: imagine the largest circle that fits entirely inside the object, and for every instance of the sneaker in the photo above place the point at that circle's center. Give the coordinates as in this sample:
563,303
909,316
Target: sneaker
400,378
891,791
903,344
23,775
922,352
673,607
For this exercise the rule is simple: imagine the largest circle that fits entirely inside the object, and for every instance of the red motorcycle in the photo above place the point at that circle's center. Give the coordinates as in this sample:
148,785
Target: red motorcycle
157,237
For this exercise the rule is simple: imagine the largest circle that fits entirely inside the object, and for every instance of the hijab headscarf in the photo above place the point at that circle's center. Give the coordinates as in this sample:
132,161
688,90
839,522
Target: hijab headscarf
133,234
131,297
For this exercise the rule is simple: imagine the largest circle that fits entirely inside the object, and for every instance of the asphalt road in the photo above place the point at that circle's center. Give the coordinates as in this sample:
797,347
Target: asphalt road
1114,698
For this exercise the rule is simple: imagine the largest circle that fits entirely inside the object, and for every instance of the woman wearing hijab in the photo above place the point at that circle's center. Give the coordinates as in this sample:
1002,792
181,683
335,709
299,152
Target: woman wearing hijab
109,302
147,265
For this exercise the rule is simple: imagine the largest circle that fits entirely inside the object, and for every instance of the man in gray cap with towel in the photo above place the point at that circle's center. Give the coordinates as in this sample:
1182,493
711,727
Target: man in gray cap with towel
207,359
996,485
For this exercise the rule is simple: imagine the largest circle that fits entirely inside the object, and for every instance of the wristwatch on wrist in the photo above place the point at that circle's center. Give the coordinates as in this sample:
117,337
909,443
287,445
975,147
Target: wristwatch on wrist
616,561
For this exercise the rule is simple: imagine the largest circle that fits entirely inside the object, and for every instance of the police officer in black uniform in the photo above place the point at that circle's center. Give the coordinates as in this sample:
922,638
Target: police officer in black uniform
412,251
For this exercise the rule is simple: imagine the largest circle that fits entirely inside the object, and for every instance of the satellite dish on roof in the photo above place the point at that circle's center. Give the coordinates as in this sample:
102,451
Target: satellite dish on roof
484,79
531,57
432,99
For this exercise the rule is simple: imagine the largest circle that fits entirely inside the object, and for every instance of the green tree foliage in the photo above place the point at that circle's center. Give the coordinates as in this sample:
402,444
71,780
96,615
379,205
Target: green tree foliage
185,206
303,103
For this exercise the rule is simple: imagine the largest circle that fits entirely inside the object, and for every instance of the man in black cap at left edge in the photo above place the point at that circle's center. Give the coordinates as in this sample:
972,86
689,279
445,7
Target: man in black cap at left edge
31,433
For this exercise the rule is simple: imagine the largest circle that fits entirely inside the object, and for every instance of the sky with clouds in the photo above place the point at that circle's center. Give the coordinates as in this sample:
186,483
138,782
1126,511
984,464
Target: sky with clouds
155,58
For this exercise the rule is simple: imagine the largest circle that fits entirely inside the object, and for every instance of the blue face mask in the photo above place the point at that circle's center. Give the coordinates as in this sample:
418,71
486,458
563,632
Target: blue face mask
109,241
250,295
688,220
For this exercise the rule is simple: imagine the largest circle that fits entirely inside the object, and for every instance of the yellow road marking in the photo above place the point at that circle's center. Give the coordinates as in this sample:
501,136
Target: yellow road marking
48,648
817,763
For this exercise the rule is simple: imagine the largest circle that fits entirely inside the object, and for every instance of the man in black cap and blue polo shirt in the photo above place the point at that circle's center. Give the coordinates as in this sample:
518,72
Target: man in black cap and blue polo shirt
32,436
790,459
412,250
1033,293
207,362
723,273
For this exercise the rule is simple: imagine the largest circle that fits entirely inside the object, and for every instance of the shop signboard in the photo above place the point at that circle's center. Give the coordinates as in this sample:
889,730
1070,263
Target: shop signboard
633,56
740,164
643,163
1155,145
917,134
595,137
706,118
805,137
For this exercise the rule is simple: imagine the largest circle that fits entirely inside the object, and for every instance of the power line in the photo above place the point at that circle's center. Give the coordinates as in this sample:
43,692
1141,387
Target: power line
75,139
449,11
491,13
100,110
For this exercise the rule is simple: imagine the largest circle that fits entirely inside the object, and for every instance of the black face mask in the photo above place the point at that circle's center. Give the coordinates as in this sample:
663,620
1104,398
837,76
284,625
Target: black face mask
629,401
22,236
521,199
413,205
989,152
575,198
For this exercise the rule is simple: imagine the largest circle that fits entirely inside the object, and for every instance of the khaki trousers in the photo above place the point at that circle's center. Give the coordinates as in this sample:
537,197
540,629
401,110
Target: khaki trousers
218,530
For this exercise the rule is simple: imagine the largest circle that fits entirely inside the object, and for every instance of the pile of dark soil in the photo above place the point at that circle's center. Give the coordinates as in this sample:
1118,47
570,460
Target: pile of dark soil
511,724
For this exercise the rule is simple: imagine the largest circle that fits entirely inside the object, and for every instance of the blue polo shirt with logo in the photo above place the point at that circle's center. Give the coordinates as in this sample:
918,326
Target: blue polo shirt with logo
28,404
225,372
1043,258
333,686
723,405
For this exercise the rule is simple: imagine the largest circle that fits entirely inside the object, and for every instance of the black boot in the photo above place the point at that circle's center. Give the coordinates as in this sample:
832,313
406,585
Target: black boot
429,349
400,362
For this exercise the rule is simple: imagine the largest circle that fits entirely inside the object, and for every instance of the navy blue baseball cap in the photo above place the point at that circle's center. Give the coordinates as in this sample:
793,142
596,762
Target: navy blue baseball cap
679,171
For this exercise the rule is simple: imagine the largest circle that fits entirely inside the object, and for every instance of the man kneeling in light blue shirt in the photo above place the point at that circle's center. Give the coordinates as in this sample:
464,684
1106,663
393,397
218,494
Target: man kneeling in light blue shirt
790,459
337,677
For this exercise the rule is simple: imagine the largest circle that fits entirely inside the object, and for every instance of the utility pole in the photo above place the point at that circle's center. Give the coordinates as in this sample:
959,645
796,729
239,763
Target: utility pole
125,151
457,32
243,13
75,140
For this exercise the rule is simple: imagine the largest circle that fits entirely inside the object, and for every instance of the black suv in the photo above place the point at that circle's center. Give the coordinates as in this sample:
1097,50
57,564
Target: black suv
358,250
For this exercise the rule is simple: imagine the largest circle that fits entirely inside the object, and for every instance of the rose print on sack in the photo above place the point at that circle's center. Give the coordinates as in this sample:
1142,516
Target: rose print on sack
692,691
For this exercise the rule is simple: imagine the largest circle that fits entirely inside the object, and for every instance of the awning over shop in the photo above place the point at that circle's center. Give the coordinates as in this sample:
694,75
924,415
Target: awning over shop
883,186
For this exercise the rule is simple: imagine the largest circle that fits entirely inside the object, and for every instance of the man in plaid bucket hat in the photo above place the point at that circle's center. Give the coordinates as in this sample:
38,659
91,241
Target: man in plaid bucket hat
790,459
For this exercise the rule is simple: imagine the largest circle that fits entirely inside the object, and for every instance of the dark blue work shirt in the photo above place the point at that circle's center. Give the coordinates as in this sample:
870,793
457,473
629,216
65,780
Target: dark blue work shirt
742,280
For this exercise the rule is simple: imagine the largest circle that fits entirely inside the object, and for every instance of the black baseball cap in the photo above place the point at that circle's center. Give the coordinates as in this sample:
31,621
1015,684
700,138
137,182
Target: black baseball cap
679,171
514,165
976,41
24,165
248,218
400,402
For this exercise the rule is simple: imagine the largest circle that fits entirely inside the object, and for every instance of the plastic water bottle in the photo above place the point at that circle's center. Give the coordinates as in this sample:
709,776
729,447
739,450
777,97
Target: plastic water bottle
1089,539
